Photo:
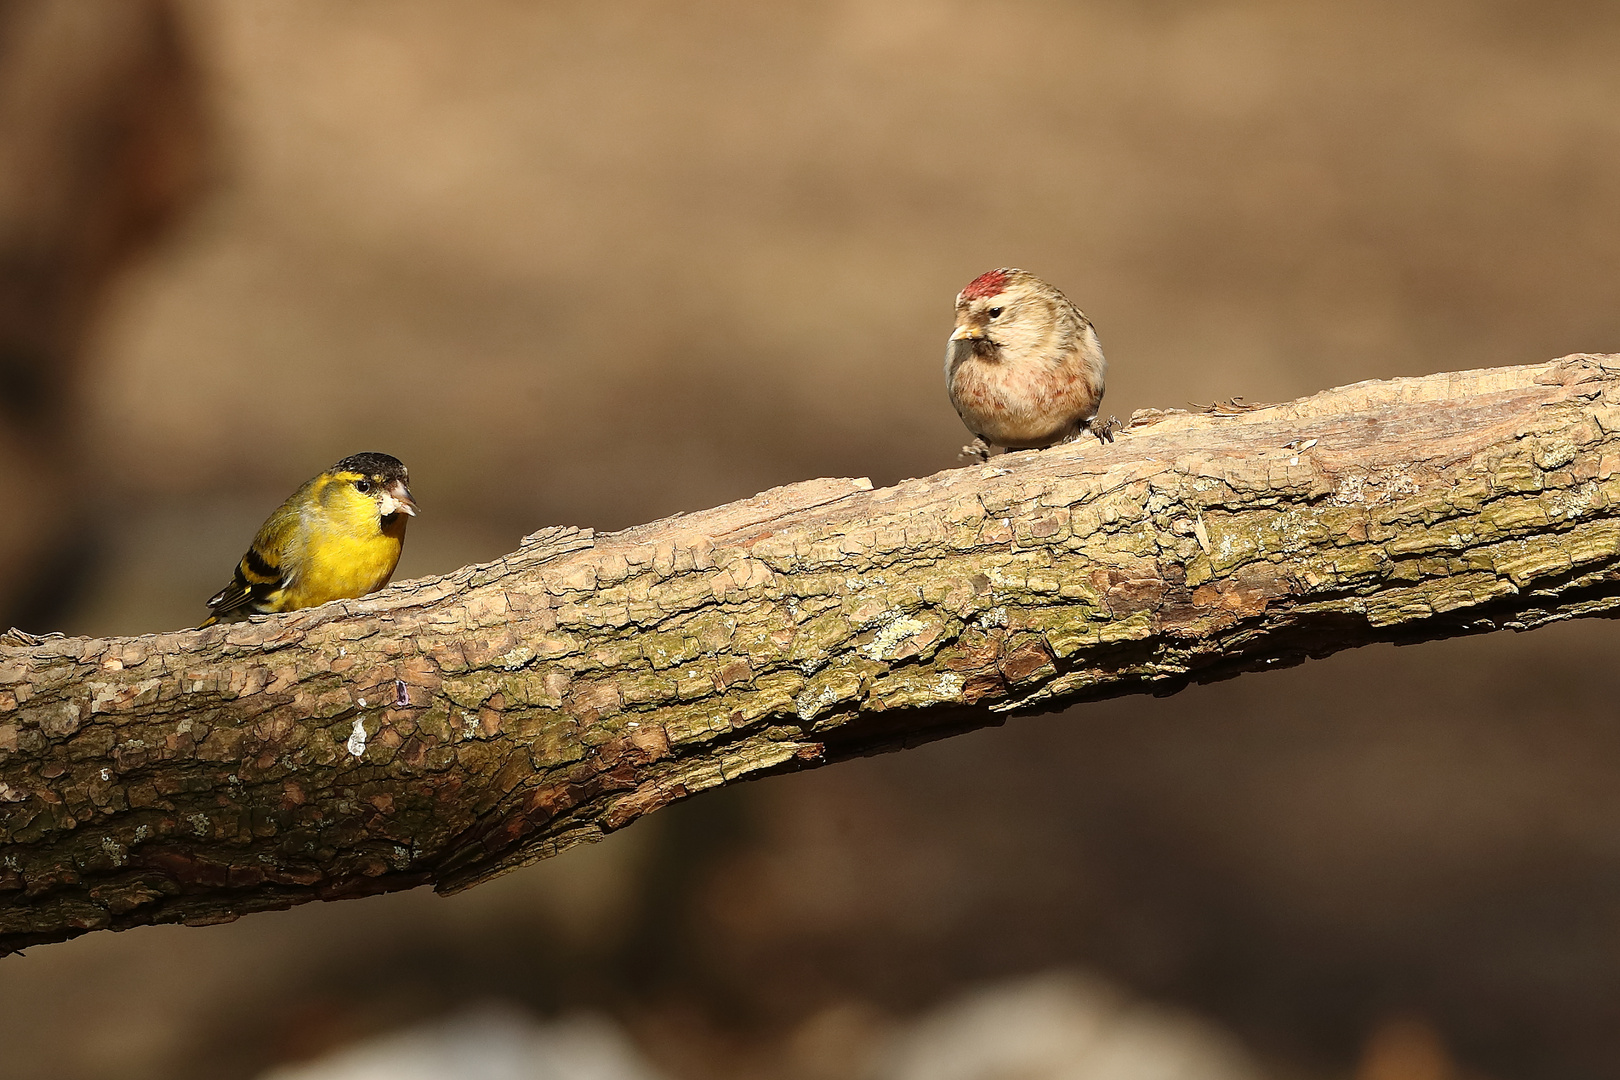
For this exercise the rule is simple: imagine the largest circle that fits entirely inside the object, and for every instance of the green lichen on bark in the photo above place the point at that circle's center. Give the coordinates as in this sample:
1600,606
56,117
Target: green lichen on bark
449,729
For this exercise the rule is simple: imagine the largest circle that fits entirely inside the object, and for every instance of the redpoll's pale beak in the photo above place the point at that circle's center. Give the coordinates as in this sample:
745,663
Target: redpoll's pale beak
968,333
396,499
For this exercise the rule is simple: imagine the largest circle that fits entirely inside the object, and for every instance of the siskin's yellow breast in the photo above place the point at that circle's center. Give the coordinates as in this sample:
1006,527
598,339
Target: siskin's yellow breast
344,551
337,567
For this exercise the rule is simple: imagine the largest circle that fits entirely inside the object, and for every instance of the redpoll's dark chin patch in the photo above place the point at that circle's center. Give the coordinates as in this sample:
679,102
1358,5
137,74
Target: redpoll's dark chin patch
985,285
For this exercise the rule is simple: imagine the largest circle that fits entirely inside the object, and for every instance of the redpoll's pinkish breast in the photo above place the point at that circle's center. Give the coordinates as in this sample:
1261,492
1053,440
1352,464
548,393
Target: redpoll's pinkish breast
1024,367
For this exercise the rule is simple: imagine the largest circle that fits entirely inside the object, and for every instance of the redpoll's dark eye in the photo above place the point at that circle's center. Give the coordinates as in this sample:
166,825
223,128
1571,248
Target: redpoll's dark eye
995,313
362,486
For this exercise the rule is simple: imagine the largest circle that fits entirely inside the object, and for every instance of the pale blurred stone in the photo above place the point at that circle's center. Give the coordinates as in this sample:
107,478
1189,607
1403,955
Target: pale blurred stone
490,1042
1061,1026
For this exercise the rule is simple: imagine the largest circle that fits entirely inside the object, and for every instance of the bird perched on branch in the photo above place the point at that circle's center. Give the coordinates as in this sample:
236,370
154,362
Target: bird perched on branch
1024,367
337,537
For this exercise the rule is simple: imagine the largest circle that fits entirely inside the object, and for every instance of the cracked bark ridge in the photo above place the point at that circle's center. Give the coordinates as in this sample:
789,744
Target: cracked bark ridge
449,729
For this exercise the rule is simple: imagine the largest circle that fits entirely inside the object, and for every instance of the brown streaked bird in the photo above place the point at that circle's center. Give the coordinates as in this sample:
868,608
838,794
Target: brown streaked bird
1024,367
337,537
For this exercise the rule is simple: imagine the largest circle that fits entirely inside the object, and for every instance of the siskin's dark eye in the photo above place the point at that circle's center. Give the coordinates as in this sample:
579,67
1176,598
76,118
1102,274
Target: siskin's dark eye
995,313
362,486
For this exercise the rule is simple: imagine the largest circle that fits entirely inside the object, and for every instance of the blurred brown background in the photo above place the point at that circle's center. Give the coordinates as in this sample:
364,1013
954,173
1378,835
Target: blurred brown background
597,264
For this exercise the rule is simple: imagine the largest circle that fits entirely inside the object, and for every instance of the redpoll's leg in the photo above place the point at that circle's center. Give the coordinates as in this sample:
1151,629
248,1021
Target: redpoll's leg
1104,429
978,450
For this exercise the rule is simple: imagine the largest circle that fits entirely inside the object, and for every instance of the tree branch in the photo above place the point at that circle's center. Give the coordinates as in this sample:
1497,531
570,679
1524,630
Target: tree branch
449,729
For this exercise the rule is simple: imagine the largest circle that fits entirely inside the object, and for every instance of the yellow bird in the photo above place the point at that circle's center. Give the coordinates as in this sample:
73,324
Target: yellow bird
337,537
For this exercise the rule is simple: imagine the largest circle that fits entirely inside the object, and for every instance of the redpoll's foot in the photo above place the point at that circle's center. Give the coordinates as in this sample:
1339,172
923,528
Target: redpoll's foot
978,450
1104,429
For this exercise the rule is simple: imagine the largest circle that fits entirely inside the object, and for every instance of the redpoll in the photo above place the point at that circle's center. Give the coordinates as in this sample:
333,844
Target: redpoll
1024,367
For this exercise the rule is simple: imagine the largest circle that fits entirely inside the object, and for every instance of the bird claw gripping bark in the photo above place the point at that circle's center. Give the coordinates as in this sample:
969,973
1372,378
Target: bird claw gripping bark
1104,429
977,451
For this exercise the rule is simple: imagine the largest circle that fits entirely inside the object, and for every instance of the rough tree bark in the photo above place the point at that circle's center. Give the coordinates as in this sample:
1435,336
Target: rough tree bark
449,729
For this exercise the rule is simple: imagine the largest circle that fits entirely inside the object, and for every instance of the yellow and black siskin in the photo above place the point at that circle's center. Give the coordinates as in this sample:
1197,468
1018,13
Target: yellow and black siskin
337,537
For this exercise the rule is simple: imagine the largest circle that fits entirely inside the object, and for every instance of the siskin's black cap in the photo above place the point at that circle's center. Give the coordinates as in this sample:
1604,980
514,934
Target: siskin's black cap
379,467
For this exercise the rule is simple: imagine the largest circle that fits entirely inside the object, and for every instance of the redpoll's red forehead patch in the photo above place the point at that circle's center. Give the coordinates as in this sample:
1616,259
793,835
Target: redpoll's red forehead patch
985,285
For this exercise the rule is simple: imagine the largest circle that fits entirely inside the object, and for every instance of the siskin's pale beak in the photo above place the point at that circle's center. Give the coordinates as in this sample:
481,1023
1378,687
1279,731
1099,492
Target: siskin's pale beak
396,499
968,332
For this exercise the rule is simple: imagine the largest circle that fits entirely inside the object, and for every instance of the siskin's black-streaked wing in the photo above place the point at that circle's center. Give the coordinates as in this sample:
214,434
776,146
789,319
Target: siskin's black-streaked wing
256,579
